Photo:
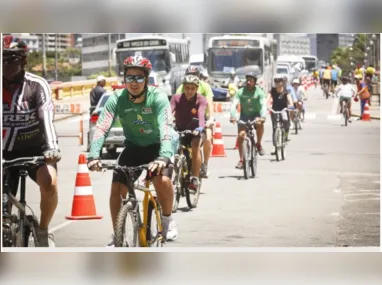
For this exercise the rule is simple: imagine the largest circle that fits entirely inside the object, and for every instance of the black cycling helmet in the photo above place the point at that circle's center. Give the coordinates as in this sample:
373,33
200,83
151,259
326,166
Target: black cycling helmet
345,79
193,70
251,74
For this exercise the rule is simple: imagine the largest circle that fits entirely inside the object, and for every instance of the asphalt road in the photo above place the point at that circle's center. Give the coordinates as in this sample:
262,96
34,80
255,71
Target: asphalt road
326,193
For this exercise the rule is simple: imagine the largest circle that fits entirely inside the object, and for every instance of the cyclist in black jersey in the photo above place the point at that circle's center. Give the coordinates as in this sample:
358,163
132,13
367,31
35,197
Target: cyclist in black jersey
281,98
28,128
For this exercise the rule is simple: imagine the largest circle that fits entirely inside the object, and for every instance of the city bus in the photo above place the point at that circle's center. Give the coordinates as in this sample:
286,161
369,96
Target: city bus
240,54
168,56
311,62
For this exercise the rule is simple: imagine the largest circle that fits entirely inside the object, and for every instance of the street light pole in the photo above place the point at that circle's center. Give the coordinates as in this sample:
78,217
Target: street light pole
109,44
43,56
56,57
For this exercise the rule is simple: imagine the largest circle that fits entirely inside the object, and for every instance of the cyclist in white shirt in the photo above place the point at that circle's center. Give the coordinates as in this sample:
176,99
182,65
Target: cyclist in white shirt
346,92
299,90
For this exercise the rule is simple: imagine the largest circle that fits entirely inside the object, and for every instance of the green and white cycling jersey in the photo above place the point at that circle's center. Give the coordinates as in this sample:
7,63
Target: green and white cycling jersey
251,103
143,124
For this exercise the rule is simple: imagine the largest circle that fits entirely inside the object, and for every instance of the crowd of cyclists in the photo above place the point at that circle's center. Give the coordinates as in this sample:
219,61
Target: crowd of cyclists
329,77
150,124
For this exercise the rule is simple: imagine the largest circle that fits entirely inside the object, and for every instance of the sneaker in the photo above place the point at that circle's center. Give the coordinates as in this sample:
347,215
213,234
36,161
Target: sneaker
287,138
274,151
349,120
45,239
111,242
170,231
194,184
204,171
239,165
260,149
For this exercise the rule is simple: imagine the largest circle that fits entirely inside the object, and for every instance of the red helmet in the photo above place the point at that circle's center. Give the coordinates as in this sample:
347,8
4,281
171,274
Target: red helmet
138,62
14,46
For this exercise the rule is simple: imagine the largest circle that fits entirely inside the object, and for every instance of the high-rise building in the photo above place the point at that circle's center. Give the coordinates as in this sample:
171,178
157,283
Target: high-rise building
290,44
63,41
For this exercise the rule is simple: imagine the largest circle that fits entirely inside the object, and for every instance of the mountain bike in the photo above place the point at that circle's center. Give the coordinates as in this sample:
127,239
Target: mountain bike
250,152
182,173
279,138
145,232
19,230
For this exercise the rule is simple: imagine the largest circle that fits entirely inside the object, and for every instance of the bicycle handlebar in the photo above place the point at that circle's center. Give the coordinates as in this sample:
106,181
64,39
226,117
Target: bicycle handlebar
112,166
23,161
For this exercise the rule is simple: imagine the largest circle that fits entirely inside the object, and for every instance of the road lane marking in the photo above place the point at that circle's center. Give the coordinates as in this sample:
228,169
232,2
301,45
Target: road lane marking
60,226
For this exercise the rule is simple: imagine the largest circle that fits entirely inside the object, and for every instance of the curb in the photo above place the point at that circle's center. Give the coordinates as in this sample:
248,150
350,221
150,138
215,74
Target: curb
66,117
371,117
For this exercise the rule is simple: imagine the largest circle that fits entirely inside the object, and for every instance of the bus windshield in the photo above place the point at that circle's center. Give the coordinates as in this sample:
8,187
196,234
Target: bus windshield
226,59
159,59
310,63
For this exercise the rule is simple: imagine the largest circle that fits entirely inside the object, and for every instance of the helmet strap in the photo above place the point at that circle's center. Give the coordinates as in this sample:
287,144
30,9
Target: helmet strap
135,97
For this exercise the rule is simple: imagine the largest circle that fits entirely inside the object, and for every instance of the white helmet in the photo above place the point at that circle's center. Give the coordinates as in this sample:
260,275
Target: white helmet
296,81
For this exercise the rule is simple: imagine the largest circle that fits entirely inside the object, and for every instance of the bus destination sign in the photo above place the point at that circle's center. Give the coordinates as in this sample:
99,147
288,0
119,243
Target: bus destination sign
236,43
141,43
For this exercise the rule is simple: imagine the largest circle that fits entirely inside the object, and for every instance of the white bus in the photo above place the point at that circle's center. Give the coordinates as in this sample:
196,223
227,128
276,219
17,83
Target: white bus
242,54
311,62
168,56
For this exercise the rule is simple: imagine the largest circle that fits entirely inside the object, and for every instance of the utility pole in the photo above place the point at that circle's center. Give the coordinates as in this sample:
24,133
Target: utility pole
43,56
55,58
109,43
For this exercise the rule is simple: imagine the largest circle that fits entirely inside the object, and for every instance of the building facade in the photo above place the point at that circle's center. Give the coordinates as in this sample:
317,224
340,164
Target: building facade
289,44
63,41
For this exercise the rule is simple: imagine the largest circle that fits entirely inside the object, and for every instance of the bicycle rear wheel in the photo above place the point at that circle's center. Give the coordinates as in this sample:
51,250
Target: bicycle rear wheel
246,157
283,145
178,184
253,161
346,116
152,237
127,214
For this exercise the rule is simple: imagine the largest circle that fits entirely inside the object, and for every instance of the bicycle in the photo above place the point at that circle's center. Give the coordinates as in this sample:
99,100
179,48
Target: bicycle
182,171
297,119
345,111
143,236
250,152
326,90
279,138
19,230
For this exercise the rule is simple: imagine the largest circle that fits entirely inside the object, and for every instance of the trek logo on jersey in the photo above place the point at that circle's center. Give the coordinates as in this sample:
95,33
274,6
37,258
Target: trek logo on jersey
147,111
19,120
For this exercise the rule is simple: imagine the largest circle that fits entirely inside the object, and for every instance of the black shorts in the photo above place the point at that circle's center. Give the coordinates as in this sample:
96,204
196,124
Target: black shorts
187,139
334,82
327,81
137,155
32,171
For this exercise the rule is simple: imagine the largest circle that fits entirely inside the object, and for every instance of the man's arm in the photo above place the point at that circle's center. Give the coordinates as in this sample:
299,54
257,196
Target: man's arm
263,104
202,110
45,114
163,114
210,99
103,126
289,99
235,102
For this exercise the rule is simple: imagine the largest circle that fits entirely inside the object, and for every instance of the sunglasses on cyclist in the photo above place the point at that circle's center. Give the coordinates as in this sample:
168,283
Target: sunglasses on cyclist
136,78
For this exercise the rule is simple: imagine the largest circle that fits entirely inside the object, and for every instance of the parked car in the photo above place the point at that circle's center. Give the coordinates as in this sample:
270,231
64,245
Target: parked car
115,138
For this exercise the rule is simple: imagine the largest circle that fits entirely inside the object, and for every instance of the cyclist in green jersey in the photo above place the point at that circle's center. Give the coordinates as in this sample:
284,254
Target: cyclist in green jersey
252,105
145,115
205,90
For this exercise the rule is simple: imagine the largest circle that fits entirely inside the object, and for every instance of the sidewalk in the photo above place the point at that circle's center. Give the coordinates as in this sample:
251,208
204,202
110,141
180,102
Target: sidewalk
83,100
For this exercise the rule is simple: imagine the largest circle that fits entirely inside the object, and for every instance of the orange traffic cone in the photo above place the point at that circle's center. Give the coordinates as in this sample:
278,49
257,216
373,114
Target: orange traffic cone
366,113
218,144
83,207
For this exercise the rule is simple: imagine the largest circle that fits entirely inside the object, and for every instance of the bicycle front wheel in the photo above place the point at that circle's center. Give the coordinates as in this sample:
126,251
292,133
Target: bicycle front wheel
278,143
192,196
246,157
30,232
152,235
127,231
253,161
